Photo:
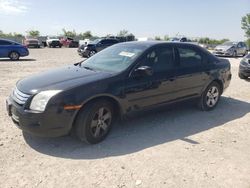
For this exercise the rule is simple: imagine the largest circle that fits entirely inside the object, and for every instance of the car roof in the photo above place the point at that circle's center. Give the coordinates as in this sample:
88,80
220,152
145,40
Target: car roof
12,41
154,43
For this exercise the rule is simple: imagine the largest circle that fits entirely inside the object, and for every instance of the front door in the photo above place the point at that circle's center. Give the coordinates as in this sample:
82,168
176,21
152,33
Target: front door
160,86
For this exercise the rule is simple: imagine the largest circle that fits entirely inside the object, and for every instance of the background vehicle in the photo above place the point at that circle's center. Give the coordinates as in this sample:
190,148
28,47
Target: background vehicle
32,43
95,46
231,49
53,42
182,39
69,42
12,50
86,97
244,68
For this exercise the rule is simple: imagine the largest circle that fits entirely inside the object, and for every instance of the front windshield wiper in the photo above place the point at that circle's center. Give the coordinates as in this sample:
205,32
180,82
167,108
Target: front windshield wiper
88,68
79,63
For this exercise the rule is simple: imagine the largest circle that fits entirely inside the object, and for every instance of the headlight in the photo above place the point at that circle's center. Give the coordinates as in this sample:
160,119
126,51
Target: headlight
41,99
85,48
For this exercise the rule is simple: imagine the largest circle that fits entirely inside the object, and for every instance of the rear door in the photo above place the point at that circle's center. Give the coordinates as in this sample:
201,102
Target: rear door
192,72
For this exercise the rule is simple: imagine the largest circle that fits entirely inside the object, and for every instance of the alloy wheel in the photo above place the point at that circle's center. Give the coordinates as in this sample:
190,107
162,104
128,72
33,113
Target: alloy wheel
101,122
212,96
14,55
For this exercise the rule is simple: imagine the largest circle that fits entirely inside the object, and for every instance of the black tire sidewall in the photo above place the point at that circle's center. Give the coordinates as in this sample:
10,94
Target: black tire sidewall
16,58
84,118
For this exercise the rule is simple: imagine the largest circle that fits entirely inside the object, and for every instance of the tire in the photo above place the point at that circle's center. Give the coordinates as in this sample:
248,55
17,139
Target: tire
242,76
210,97
14,56
94,122
91,53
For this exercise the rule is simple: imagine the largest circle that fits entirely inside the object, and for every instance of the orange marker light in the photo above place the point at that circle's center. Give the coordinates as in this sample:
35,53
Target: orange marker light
72,107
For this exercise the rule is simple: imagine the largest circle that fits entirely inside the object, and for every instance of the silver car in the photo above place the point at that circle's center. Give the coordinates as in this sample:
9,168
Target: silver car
231,49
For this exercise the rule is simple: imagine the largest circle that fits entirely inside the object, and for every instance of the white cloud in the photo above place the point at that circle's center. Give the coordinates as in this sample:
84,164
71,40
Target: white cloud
12,7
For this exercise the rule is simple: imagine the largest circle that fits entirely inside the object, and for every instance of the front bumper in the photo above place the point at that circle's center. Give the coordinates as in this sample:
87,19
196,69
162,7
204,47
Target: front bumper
222,53
244,70
51,123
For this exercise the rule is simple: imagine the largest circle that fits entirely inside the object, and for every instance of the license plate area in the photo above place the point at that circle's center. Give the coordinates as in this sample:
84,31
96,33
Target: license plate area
11,112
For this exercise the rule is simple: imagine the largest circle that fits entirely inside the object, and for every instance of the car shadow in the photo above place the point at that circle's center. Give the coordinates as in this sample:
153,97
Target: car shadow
20,60
147,129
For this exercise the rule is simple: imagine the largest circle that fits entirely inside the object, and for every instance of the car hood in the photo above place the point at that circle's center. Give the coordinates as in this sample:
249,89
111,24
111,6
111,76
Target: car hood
60,79
224,48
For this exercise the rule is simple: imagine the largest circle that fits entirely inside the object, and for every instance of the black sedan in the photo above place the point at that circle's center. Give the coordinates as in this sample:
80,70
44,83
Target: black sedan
244,69
86,98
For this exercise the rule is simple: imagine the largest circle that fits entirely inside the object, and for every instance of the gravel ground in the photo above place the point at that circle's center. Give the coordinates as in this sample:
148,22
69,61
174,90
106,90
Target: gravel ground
177,146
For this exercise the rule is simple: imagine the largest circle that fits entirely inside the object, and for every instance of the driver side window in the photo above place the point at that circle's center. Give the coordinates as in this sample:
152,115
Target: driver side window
160,59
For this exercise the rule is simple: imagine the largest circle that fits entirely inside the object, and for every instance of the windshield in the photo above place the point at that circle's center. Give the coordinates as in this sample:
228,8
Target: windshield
229,43
115,58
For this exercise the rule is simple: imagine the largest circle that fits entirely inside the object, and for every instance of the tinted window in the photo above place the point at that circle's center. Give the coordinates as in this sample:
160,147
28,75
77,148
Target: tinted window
160,59
3,42
109,42
243,44
189,57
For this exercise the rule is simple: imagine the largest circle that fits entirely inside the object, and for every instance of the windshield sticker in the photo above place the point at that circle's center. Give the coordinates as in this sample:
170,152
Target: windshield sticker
127,54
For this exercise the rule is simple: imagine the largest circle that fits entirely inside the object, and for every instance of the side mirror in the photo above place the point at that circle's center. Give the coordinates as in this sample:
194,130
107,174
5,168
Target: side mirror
143,71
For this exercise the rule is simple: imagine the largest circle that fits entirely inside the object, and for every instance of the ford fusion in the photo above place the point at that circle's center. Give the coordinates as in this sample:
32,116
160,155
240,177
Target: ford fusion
86,98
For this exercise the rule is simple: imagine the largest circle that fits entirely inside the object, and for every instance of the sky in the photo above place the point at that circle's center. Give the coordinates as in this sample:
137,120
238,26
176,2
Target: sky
144,18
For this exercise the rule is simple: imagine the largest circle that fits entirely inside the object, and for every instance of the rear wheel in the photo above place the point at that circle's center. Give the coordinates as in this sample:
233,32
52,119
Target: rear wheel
94,122
14,56
210,97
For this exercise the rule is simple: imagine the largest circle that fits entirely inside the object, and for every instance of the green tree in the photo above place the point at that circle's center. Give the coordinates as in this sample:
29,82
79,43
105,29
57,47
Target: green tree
157,38
17,34
122,33
86,35
70,34
166,38
245,24
33,33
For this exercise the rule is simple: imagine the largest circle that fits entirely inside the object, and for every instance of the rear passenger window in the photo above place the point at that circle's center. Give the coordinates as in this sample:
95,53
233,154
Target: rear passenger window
189,57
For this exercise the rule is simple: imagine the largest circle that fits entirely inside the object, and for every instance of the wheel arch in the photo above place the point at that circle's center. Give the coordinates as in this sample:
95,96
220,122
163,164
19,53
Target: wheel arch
220,84
116,104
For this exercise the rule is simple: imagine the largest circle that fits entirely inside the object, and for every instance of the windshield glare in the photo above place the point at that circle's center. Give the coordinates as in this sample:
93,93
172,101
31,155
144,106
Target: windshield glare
115,58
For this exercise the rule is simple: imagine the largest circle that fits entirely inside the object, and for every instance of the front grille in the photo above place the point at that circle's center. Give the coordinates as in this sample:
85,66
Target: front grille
19,97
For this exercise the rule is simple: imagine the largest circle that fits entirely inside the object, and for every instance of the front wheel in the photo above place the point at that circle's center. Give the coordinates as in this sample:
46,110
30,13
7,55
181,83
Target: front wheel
14,56
210,97
91,53
94,122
